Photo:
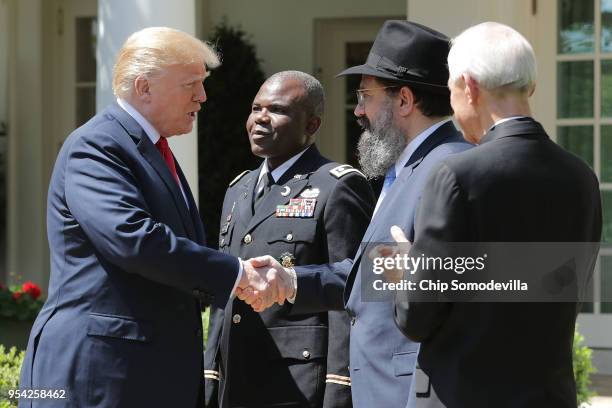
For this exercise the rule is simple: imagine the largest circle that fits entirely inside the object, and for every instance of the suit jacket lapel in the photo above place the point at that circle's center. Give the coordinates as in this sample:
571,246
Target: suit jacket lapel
152,155
196,223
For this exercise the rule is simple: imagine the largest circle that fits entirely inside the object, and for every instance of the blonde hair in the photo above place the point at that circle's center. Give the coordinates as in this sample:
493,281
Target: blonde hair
149,51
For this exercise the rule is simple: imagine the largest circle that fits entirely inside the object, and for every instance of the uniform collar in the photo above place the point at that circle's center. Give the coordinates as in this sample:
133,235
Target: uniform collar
278,172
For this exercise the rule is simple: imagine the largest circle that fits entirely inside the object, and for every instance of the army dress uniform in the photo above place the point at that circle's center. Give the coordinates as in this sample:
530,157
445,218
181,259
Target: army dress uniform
316,212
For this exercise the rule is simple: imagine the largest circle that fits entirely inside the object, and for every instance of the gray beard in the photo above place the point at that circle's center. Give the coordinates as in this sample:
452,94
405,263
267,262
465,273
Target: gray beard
380,144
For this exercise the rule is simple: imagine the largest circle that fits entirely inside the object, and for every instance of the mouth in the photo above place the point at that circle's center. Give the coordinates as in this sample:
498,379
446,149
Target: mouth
260,134
364,123
193,114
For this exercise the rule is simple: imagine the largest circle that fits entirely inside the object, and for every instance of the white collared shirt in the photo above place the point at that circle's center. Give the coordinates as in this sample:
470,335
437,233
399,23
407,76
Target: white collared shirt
278,172
414,144
499,122
148,128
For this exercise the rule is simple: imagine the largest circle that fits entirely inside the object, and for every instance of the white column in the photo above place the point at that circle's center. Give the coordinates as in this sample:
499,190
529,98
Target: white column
26,192
117,19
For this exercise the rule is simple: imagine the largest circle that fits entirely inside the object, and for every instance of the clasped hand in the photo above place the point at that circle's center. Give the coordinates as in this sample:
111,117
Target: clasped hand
264,282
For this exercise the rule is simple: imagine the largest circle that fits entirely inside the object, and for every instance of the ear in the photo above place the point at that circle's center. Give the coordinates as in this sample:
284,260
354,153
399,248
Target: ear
472,89
406,100
312,125
532,90
142,88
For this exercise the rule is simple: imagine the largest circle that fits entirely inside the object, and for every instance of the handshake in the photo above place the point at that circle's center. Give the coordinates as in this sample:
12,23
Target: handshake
264,282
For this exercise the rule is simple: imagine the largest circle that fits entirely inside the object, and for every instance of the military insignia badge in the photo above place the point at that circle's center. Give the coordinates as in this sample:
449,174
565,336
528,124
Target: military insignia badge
287,260
310,193
297,208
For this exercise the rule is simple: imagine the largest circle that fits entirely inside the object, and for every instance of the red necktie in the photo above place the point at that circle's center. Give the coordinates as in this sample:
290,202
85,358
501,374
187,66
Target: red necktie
164,149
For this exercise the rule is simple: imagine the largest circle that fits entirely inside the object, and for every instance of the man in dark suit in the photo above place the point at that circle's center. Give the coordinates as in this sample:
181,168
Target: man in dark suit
516,186
121,325
301,208
403,106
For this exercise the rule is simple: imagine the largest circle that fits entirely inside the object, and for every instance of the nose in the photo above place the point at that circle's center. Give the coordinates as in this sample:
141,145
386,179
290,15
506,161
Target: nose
359,110
200,93
262,116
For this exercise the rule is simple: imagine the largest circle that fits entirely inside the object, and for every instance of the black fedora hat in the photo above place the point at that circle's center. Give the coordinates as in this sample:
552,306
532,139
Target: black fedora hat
408,52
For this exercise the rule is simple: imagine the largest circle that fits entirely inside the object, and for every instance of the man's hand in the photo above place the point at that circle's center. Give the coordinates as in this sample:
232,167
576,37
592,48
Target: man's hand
386,251
271,283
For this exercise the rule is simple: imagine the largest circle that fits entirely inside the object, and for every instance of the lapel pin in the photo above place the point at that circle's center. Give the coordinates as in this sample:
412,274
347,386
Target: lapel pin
286,191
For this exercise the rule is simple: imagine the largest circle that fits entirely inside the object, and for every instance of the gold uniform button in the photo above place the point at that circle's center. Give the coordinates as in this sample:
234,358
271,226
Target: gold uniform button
306,354
236,318
248,239
289,237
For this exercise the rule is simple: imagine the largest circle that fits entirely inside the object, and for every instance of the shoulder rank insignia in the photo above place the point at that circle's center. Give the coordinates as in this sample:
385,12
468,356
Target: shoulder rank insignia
238,177
287,260
343,170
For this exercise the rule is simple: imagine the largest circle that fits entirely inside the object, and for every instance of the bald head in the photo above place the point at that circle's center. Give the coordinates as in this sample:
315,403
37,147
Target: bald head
313,99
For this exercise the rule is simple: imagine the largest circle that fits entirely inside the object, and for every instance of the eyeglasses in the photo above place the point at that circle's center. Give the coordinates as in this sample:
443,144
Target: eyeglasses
360,93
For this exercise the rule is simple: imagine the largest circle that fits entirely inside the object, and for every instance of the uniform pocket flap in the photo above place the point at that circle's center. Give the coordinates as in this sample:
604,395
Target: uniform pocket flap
299,230
299,342
404,363
118,327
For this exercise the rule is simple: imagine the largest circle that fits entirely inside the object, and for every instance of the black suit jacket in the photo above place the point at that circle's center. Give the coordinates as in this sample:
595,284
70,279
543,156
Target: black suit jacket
272,359
517,186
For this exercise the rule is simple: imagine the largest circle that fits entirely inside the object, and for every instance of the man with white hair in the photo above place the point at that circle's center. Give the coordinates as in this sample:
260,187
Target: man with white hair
121,326
516,186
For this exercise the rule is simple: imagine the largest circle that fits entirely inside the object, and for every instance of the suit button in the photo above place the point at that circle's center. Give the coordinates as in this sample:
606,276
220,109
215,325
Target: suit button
352,321
289,237
306,354
248,239
236,318
199,333
196,293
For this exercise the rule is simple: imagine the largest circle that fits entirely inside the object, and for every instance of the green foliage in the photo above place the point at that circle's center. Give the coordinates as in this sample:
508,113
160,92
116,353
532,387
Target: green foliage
10,367
223,147
205,318
20,302
583,368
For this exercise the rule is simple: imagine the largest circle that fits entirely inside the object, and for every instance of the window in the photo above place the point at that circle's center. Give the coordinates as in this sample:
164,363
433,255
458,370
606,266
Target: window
584,110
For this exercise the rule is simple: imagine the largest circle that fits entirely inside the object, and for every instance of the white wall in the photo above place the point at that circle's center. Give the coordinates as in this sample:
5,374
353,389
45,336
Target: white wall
283,30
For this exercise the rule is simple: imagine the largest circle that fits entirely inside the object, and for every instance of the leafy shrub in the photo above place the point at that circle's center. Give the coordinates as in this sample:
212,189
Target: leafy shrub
10,367
583,368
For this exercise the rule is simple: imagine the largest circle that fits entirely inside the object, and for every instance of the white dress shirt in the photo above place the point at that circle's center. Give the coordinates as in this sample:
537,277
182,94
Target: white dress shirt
278,172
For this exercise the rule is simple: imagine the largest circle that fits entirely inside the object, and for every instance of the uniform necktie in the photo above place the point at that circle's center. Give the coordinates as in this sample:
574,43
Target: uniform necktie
164,149
264,185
